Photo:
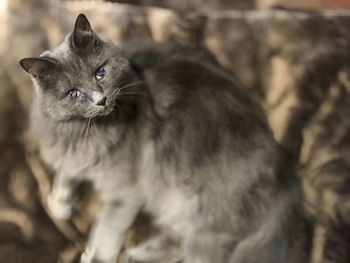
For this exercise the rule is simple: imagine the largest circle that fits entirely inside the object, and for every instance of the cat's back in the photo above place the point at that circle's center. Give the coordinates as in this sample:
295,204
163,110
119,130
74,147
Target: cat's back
212,134
195,96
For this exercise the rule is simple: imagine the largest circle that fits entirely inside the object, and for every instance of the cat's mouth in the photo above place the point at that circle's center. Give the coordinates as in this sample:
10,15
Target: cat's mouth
105,110
100,110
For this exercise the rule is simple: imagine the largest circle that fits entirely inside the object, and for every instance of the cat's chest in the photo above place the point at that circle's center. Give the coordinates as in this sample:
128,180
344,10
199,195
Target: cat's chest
70,159
166,199
170,208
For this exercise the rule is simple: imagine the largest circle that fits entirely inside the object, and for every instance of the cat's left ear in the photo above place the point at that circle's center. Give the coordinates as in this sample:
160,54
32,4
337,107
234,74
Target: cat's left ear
82,36
39,68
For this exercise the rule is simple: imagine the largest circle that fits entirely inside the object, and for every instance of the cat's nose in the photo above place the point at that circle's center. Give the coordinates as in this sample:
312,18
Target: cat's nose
102,102
98,98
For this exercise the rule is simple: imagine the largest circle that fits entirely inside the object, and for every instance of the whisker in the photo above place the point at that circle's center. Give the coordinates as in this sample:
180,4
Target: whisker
83,129
117,91
133,93
88,127
131,85
94,125
122,82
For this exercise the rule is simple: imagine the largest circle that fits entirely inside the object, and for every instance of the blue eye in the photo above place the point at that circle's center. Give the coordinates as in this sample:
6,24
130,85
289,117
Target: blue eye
100,73
73,93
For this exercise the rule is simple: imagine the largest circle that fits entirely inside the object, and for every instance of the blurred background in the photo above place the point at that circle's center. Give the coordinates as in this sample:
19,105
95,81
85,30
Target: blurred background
293,55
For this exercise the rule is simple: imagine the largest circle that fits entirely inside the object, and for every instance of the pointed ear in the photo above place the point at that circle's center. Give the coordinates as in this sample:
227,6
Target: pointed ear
39,68
82,35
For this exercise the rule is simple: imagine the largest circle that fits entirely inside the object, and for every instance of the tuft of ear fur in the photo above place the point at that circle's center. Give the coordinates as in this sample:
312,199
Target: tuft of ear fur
82,35
39,68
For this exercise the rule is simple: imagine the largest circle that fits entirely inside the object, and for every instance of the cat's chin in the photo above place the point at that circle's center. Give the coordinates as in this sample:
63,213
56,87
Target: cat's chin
106,111
100,113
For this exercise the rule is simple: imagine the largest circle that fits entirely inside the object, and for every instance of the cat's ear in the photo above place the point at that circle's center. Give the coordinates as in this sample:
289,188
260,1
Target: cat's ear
82,35
39,68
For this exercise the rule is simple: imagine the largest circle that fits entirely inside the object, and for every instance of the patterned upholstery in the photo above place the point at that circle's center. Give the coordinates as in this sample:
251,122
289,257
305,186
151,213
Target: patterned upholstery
296,62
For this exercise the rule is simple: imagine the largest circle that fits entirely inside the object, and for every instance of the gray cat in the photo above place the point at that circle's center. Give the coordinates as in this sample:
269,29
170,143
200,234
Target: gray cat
164,129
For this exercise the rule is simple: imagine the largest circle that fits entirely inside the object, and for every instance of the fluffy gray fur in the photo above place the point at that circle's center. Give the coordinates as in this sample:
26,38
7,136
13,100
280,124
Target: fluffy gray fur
177,138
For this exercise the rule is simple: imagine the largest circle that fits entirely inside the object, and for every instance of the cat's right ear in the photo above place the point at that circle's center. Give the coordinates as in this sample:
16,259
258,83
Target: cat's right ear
82,36
39,68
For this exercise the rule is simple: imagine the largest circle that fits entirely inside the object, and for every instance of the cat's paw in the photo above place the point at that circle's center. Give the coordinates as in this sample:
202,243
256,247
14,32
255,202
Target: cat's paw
135,255
90,256
145,255
86,257
159,249
60,207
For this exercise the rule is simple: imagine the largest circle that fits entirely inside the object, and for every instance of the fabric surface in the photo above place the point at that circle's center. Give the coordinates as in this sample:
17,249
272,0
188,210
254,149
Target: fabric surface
297,64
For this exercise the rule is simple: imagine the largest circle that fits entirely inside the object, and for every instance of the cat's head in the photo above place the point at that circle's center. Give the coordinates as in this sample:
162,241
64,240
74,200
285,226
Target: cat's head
81,77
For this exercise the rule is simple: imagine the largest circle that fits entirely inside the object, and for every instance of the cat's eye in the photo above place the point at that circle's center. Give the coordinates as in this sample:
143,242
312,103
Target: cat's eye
100,73
73,93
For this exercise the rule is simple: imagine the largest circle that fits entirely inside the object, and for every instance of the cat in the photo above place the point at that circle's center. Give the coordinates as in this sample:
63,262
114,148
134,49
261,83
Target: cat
165,129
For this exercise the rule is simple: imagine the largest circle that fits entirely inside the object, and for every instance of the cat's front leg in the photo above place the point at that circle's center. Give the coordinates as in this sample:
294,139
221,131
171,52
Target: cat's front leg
164,247
107,236
61,198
